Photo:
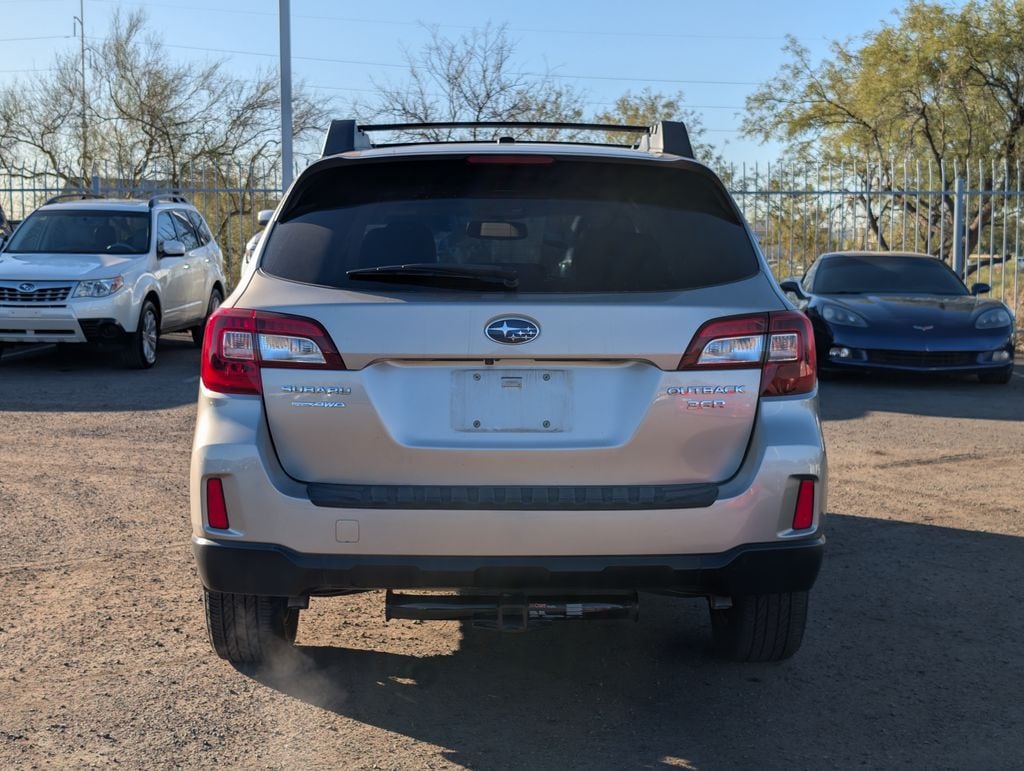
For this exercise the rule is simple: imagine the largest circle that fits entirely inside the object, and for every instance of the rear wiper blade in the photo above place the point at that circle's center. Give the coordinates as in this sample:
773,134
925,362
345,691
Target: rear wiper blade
435,274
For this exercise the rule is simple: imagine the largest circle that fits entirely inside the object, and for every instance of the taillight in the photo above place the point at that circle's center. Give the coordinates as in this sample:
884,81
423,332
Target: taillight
803,514
216,508
239,342
791,364
781,343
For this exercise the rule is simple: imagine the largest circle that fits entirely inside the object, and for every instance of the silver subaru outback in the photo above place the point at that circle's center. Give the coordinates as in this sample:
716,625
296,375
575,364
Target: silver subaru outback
511,383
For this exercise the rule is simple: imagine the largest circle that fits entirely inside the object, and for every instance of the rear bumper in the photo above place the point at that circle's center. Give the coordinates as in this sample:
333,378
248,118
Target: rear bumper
266,569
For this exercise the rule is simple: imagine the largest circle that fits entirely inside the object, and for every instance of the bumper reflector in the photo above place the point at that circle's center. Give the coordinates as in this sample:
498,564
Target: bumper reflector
803,516
216,508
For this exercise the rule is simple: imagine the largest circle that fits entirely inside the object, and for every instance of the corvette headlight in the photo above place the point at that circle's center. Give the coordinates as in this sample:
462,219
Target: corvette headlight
100,287
836,315
992,319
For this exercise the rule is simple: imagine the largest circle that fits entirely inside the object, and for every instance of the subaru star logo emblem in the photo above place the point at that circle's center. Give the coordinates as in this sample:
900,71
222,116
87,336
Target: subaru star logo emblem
26,287
512,330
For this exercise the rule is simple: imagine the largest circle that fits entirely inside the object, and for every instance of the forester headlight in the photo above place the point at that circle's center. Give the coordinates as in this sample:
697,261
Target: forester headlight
100,287
992,319
836,315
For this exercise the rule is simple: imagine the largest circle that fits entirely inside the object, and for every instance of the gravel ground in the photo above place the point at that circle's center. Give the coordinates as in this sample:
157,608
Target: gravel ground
913,656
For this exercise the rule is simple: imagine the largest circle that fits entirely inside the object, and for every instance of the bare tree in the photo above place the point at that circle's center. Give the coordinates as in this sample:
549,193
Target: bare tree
470,78
146,114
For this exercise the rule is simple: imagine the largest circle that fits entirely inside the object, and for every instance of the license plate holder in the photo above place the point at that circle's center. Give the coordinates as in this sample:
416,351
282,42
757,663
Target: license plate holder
510,400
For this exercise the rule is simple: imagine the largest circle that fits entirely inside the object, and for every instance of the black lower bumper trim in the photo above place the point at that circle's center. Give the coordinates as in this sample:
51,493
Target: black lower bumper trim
101,330
266,569
554,498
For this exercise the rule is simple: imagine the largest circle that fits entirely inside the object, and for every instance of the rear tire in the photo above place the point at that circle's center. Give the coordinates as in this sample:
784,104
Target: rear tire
248,629
760,627
999,377
140,347
197,332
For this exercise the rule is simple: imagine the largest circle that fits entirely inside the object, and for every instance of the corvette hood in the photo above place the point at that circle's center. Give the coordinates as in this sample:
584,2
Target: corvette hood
938,311
61,267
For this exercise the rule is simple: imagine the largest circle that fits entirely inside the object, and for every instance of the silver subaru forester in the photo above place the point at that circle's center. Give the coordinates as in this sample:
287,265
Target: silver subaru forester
511,383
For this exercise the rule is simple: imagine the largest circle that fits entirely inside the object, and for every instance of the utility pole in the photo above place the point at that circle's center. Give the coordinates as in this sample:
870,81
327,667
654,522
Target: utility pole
85,96
285,70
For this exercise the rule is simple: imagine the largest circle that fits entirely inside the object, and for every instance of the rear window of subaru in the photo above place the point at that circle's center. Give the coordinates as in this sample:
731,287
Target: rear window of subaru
562,226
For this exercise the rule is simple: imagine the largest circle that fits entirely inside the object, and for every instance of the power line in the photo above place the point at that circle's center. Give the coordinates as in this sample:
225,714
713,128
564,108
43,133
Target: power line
588,102
402,23
531,74
38,37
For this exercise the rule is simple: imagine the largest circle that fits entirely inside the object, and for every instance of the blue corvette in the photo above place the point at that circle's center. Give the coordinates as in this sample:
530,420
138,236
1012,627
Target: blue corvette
905,312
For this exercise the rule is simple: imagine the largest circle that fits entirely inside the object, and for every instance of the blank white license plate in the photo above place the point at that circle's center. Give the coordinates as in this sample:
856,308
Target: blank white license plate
510,400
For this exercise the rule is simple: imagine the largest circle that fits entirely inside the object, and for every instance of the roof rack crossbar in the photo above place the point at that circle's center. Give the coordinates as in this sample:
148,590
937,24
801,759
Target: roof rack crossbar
663,137
525,124
71,196
173,196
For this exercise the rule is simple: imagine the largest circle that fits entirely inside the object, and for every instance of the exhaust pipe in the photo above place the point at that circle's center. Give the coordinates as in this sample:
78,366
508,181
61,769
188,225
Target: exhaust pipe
512,612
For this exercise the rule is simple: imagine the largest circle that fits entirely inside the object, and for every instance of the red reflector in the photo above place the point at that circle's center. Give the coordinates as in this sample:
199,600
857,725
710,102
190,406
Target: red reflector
511,160
803,516
216,508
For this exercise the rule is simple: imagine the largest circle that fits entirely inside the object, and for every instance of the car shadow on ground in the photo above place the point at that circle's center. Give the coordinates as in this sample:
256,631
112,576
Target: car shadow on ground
853,396
912,657
82,379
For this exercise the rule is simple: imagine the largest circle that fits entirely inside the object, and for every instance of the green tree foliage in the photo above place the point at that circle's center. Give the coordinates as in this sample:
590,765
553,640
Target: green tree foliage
940,84
648,107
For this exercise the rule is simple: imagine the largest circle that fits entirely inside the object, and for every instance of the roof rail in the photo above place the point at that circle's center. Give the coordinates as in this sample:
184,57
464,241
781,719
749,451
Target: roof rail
70,196
665,136
173,196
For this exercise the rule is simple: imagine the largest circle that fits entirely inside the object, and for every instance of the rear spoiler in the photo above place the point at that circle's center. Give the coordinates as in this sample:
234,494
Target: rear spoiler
663,137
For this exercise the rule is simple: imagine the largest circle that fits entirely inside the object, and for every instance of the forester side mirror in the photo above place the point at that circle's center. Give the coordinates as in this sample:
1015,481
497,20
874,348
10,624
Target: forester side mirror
172,248
977,289
263,217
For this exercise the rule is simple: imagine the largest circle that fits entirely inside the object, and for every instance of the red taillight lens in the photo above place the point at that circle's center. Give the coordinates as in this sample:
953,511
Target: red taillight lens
239,342
780,343
791,364
216,508
729,343
803,515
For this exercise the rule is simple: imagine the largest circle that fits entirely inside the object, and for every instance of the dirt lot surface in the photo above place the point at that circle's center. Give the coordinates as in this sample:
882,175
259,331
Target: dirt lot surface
913,655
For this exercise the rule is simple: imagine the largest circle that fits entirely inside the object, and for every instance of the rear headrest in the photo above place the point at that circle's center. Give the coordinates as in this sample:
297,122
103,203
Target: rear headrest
606,257
397,244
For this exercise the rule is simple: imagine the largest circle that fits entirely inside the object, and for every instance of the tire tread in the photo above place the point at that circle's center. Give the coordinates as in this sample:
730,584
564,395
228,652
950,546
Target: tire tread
248,629
761,627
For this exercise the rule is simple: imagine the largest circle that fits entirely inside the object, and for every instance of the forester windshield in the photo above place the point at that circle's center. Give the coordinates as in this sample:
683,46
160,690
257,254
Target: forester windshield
82,231
510,223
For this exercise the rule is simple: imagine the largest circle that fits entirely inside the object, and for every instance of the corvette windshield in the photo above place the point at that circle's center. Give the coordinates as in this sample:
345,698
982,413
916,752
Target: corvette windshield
82,231
885,275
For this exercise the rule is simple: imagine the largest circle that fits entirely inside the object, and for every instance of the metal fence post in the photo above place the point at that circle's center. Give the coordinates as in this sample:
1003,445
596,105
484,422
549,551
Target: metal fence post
959,204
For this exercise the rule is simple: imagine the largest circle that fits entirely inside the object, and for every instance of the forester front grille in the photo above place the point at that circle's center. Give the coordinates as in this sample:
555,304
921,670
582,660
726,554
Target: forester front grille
42,295
924,358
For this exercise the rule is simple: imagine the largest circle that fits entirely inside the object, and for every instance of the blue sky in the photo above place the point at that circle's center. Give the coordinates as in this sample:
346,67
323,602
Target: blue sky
714,52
